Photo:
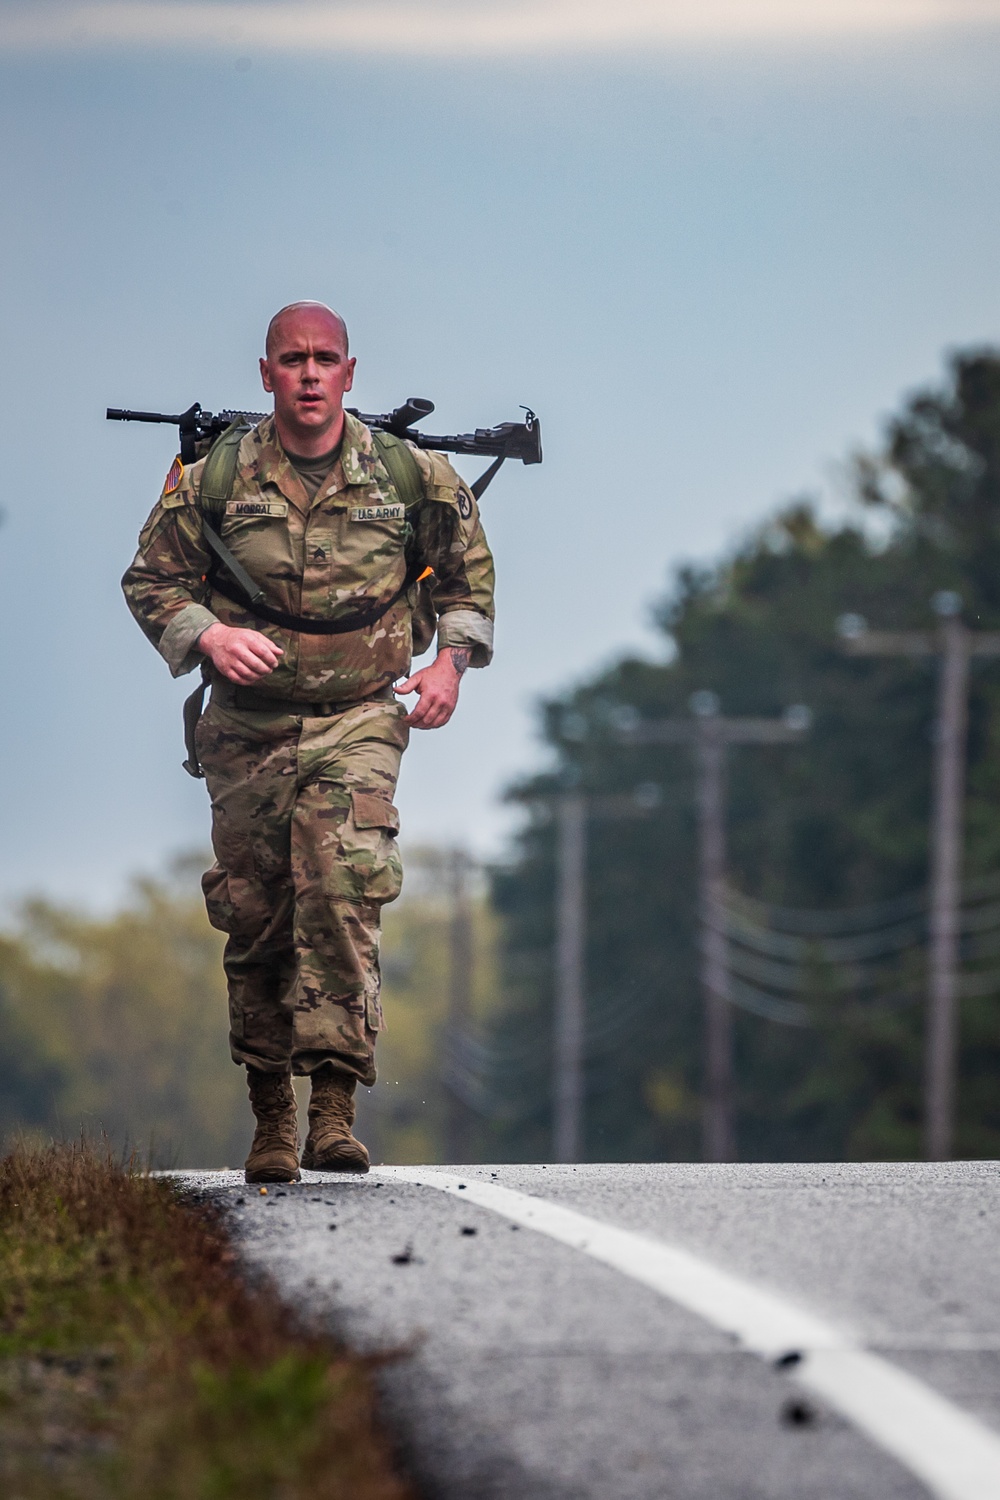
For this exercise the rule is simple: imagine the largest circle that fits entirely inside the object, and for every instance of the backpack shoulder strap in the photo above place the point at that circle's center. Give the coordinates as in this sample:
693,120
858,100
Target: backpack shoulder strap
217,479
400,465
219,474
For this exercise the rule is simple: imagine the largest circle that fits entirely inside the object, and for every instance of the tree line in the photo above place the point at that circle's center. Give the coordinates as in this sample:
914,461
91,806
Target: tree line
838,820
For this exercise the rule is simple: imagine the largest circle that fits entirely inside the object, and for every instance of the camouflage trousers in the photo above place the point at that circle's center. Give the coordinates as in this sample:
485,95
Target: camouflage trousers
304,835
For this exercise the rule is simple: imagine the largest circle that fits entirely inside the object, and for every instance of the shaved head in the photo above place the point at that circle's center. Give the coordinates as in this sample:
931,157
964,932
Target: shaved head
308,370
310,311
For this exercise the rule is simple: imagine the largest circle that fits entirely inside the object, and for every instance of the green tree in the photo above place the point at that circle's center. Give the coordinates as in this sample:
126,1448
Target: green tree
118,1024
840,820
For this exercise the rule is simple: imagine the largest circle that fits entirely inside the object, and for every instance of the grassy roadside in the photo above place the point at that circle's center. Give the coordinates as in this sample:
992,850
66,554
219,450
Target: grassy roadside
134,1365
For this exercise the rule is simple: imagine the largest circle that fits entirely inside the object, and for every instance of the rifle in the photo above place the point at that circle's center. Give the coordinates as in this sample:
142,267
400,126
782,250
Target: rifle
199,429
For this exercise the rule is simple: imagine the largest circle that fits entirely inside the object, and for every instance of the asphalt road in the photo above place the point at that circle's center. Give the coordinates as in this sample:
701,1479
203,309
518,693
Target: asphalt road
701,1333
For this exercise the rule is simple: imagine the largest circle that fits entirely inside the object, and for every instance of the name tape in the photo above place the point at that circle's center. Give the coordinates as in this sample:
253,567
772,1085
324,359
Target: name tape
256,507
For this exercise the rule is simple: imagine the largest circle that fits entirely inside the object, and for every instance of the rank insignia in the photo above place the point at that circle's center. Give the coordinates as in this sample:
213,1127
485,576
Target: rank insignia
174,476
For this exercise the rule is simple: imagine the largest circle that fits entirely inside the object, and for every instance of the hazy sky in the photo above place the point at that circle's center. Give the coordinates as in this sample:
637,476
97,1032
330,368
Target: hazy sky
711,244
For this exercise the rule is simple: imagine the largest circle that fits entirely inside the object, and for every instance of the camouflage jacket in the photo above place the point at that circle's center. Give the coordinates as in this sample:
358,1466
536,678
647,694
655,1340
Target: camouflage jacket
348,545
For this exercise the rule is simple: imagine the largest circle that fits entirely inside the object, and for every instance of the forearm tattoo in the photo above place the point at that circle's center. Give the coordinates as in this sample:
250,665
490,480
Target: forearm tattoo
460,658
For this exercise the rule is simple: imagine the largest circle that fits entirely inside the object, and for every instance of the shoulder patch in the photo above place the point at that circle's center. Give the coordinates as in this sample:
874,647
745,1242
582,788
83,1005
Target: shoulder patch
464,504
174,476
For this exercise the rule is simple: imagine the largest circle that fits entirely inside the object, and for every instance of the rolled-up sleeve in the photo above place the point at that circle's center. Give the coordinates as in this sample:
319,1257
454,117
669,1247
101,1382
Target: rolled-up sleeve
176,644
465,627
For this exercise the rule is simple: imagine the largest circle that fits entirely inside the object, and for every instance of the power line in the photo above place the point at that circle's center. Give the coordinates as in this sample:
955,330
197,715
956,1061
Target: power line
710,735
815,922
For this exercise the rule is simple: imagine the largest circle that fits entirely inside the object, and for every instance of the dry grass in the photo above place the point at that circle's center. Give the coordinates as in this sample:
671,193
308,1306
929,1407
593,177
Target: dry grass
135,1365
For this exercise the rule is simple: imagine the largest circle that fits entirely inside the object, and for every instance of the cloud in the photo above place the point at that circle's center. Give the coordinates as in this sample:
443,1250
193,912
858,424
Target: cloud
464,28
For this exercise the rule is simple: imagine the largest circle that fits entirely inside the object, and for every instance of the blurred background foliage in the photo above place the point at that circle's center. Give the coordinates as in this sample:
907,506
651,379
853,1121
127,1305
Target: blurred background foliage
837,821
119,1022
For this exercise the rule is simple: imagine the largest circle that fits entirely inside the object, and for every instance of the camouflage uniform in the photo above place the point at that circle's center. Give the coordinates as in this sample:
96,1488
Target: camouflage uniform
303,825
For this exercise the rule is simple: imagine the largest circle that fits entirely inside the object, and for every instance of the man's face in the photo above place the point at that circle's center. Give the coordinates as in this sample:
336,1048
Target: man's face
308,371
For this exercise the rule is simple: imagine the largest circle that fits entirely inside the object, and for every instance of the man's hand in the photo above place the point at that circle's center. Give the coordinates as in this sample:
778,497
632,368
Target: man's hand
437,686
241,655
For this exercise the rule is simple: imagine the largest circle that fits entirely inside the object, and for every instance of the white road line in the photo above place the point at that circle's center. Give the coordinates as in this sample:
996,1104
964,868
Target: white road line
953,1453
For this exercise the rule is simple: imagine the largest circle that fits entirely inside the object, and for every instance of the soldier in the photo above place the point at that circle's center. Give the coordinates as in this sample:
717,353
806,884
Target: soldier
302,738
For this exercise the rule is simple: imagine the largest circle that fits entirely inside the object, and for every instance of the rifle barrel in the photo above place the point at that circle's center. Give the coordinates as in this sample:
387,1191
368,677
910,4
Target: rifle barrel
119,414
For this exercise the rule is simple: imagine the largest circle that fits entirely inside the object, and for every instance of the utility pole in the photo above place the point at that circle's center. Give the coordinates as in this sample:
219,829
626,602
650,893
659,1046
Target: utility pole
953,644
460,978
710,734
574,809
719,1140
570,950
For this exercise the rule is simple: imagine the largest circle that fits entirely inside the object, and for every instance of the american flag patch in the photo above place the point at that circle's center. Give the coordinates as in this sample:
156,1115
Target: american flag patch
174,476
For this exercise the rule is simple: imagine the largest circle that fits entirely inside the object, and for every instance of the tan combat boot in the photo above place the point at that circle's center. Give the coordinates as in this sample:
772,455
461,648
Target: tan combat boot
274,1155
330,1146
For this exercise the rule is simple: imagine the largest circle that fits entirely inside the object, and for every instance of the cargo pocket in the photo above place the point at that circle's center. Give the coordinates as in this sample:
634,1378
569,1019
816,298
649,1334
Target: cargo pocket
230,841
371,848
372,810
234,905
